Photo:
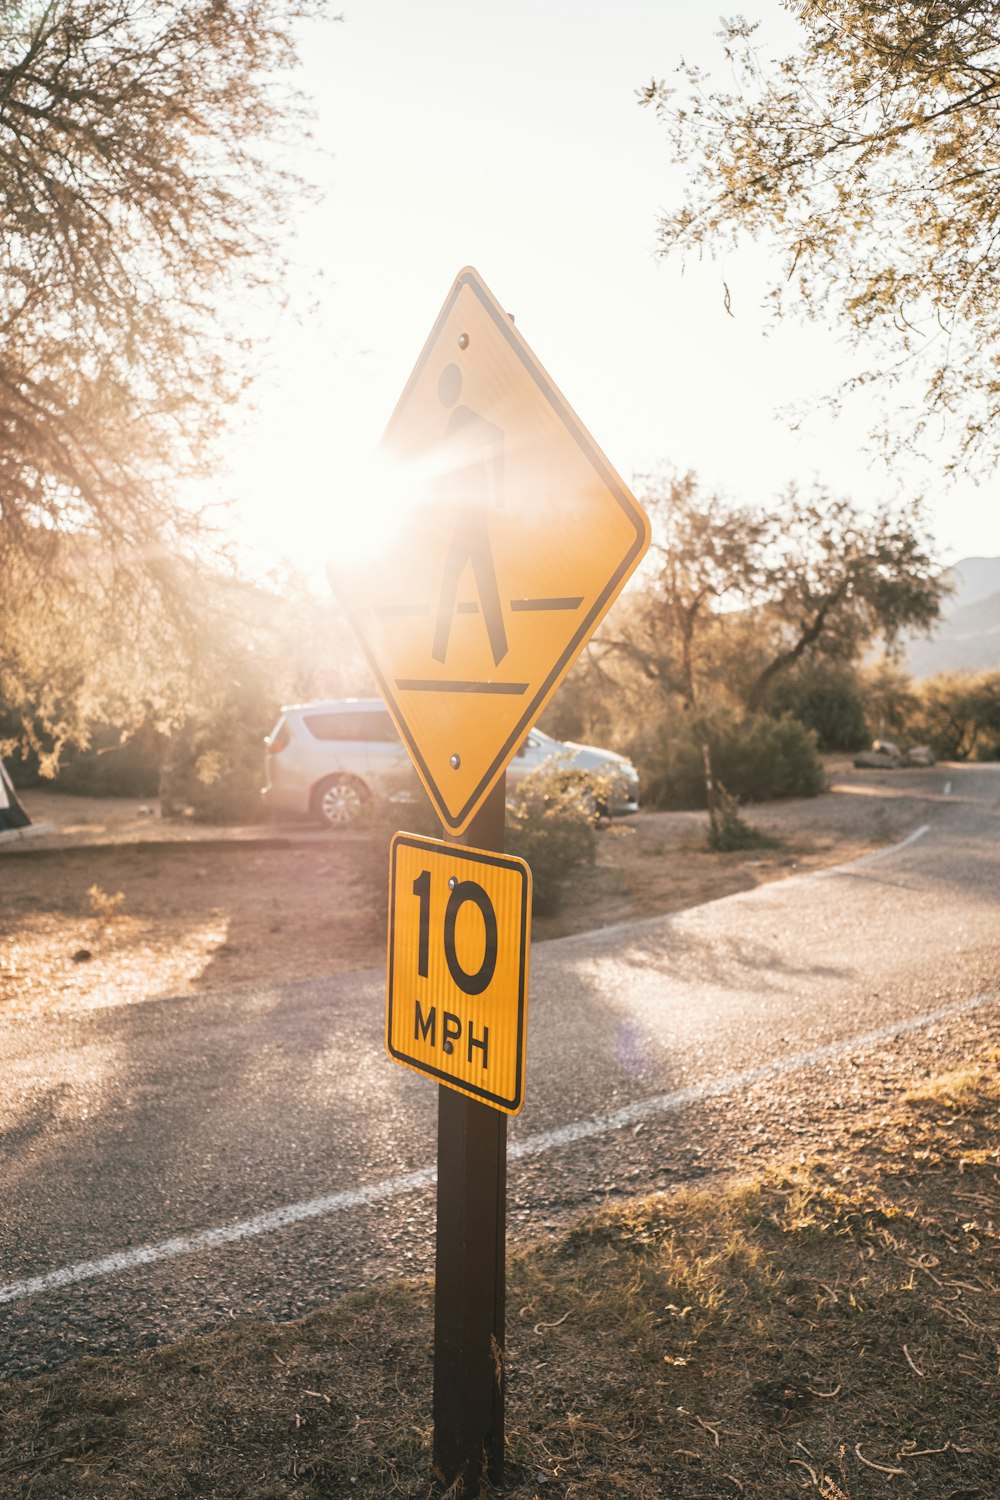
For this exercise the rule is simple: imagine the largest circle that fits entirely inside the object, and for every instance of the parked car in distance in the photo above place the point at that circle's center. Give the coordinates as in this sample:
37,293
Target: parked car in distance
886,756
621,775
883,754
327,760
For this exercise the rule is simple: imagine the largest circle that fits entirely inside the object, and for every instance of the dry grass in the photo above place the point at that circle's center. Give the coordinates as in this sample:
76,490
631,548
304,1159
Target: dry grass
830,1329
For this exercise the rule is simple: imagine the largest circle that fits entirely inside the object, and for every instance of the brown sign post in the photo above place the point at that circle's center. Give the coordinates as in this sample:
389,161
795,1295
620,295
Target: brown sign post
456,1010
512,537
470,1281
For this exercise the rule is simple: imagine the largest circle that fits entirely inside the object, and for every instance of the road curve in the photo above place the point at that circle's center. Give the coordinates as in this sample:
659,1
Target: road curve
170,1166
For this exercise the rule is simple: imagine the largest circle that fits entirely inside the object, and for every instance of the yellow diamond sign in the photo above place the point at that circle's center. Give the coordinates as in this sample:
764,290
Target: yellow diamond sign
457,988
508,538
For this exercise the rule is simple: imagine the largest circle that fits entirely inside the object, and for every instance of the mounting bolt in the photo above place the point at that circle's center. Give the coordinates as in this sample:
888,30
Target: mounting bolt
456,761
452,882
463,341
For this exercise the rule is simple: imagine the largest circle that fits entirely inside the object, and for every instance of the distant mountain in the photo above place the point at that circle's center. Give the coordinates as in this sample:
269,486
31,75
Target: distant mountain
967,639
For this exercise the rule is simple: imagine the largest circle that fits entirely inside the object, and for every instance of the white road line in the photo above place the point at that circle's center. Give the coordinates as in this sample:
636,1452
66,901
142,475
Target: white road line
753,894
534,1145
947,788
227,1234
869,859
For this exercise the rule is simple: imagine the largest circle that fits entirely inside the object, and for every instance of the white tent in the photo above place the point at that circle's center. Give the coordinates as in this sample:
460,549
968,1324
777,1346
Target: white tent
12,814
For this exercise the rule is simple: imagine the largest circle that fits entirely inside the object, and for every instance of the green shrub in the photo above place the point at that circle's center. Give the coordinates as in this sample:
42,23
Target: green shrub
958,715
112,767
826,698
213,763
551,823
758,759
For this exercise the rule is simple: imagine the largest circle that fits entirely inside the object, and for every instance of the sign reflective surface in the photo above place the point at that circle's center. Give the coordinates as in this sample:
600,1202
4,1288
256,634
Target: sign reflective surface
457,986
500,536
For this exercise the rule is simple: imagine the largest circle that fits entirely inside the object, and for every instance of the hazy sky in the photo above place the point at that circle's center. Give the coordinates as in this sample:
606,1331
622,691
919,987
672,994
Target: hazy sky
509,138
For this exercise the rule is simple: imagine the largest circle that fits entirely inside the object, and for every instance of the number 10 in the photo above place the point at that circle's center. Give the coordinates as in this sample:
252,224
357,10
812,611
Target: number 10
461,892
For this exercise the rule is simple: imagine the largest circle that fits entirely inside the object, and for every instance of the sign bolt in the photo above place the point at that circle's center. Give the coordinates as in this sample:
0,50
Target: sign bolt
452,882
463,341
456,761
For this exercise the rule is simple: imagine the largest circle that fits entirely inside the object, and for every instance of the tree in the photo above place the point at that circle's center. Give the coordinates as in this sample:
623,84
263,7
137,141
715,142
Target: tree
825,697
704,554
142,193
840,579
870,160
889,699
773,588
813,575
959,715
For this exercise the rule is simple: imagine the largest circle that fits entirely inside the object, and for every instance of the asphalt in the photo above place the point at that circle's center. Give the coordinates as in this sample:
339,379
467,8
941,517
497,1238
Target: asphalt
169,1167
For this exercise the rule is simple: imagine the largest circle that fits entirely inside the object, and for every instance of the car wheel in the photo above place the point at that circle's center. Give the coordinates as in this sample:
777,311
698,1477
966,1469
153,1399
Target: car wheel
339,800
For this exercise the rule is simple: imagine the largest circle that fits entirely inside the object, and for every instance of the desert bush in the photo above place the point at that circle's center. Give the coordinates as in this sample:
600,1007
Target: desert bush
552,821
826,698
112,766
757,758
379,821
382,817
102,762
958,715
213,763
889,698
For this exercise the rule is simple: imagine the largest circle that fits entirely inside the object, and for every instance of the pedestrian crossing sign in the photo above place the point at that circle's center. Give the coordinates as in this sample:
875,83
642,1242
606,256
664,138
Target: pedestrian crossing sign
507,539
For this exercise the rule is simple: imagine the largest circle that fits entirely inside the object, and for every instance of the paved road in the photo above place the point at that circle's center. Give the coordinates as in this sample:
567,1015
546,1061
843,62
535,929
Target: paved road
169,1166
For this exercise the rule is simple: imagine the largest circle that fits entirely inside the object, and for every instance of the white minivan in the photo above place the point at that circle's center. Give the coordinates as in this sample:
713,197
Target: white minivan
328,760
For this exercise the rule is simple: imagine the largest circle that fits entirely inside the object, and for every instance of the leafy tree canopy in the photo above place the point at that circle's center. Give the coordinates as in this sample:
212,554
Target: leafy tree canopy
870,160
959,714
142,192
812,574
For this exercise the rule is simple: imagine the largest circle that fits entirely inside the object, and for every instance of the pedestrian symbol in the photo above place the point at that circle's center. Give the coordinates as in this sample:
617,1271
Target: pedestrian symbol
473,475
518,537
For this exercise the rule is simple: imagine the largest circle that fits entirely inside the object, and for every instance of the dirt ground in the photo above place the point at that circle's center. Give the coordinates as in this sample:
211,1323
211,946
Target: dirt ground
116,906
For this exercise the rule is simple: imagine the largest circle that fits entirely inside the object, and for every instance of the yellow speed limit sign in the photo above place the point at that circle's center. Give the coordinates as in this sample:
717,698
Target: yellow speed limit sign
457,988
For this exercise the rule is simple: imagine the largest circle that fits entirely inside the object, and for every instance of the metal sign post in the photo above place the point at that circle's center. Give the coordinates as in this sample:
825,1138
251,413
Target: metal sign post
470,1261
456,1010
